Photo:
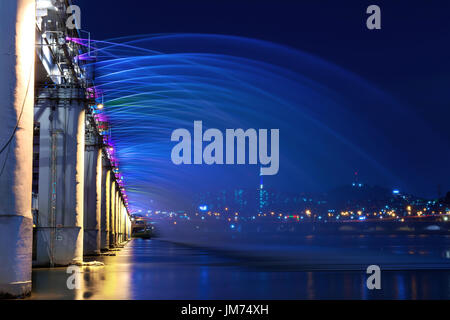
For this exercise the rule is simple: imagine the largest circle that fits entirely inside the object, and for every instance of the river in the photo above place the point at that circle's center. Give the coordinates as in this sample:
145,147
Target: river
155,269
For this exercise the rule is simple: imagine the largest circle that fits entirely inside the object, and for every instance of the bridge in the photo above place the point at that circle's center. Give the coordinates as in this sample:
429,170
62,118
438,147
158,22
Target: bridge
64,201
62,192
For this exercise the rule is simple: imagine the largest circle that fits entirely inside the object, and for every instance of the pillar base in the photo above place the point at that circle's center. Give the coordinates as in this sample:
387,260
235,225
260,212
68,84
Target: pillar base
112,240
104,243
91,243
15,290
67,246
16,238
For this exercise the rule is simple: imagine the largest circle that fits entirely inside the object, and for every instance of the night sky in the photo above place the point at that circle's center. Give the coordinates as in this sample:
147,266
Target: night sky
407,60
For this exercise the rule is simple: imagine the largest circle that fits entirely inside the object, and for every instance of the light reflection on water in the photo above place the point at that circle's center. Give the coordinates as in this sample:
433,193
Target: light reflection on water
151,269
108,282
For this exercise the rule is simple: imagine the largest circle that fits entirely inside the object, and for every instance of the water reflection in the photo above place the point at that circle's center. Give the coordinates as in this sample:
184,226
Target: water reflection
111,281
150,269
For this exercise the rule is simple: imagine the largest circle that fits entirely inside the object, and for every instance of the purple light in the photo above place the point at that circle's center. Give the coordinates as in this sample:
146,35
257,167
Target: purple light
82,42
85,57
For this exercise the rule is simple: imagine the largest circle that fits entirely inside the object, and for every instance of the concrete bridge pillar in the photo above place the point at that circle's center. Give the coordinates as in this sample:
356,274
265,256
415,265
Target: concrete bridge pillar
119,212
118,220
105,207
129,228
124,224
116,205
126,227
60,112
16,143
117,230
121,221
92,194
112,217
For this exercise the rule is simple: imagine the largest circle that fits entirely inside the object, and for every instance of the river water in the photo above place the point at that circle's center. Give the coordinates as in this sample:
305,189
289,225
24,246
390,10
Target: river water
413,267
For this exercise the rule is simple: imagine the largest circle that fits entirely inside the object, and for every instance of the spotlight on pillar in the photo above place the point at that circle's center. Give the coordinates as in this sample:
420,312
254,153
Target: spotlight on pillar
100,106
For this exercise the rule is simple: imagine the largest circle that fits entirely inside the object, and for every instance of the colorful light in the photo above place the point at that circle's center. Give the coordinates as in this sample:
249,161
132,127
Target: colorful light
149,93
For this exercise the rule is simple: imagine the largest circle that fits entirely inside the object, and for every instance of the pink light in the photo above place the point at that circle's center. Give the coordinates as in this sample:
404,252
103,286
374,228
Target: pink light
82,42
85,57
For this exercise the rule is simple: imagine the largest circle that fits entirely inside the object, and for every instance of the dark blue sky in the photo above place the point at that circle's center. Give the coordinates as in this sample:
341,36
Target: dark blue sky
408,58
